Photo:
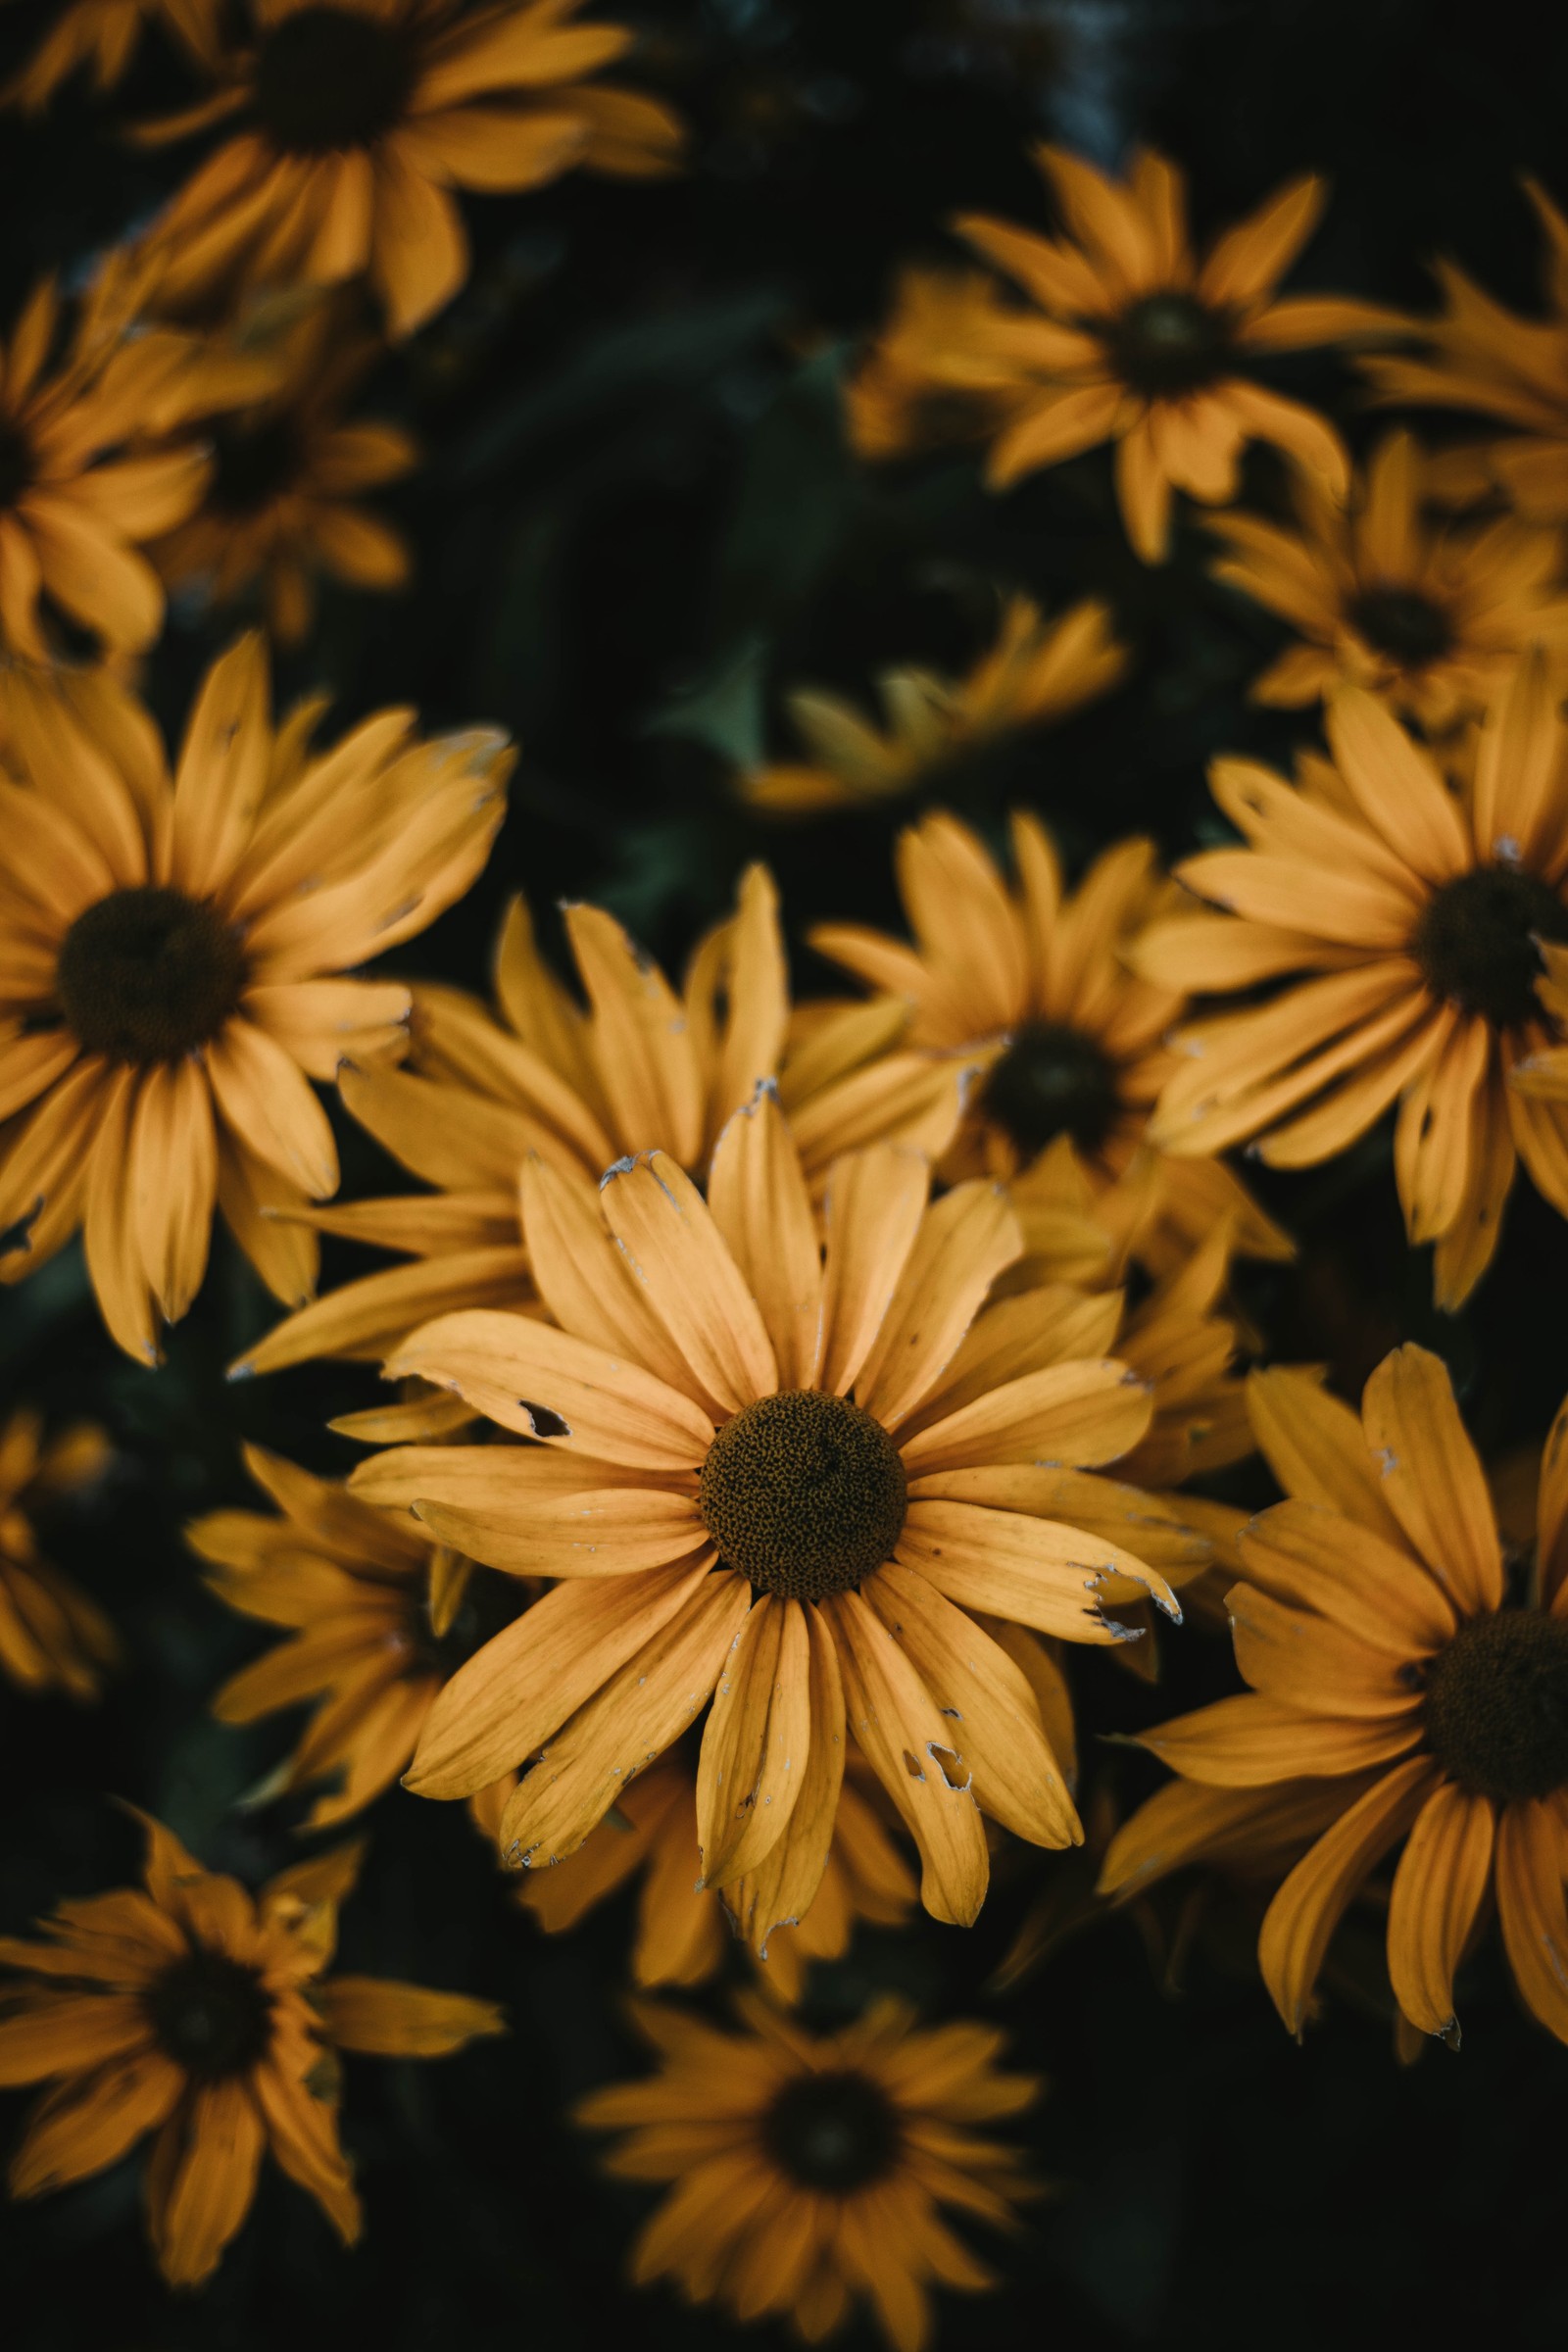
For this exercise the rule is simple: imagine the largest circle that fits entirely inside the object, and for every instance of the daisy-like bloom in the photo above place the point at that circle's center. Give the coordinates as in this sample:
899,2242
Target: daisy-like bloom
282,504
1429,615
681,1936
644,1065
168,962
352,121
1032,978
1037,671
1407,920
1132,339
1485,357
1401,1673
379,1614
786,1477
193,2010
52,1636
102,37
808,2171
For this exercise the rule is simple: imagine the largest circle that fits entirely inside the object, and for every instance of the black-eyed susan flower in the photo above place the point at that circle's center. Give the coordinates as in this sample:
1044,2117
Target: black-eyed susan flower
1399,1671
193,2010
1428,614
1032,978
101,38
1130,339
775,1474
169,960
1405,919
379,1617
643,1064
1035,672
1486,359
352,123
52,1636
808,2171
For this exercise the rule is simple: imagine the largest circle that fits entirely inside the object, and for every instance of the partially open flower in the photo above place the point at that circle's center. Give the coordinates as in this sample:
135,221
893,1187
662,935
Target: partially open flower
52,1636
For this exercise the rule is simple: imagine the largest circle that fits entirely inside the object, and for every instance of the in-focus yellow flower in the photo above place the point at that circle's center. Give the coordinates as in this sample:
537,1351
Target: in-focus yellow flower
1034,979
1401,1673
1037,671
1485,357
645,1065
381,1616
1419,914
786,1475
1429,615
103,36
198,2012
282,506
809,2170
52,1636
353,119
1132,339
169,960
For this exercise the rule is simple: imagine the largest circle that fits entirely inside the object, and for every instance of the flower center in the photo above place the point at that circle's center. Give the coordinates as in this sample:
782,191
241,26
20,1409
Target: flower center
1169,343
803,1493
1476,941
148,975
1406,625
16,464
1496,1705
253,468
211,2014
1053,1081
832,2131
331,77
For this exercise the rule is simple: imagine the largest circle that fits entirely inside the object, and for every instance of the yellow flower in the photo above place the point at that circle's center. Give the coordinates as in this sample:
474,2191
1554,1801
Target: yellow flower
809,2170
1132,339
354,119
1033,980
198,2012
785,1475
645,1065
895,404
168,952
1485,357
104,36
1416,913
1428,616
1400,1686
1035,672
381,1617
281,504
52,1636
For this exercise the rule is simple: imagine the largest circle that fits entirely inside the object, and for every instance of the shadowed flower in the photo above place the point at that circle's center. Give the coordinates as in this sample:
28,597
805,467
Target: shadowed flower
1132,339
168,952
643,1065
1034,978
785,1475
1037,671
353,119
198,2012
809,2170
1430,617
381,1617
103,36
1418,914
1399,1673
52,1636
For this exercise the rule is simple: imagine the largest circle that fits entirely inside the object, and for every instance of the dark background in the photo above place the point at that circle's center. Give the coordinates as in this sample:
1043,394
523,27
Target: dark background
636,526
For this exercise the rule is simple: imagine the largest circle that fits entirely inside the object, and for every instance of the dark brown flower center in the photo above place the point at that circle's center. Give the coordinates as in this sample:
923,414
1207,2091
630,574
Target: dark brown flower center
1402,623
252,468
1476,941
1496,1705
331,77
1053,1081
148,975
803,1493
833,2132
1167,344
16,464
211,2014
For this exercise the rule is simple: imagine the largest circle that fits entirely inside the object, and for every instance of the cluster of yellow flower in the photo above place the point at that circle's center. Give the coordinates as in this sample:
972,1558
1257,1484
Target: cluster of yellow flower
782,1388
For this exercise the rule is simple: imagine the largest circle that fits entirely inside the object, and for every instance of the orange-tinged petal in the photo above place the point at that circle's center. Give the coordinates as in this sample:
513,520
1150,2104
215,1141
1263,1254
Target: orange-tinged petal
90,2121
679,1255
782,1887
964,1242
761,1204
1078,1413
392,2020
1438,1891
1313,1443
1309,1663
875,1202
756,1744
212,2191
1036,1572
1302,1918
1398,786
1431,1477
1532,1907
1253,1740
1313,1558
